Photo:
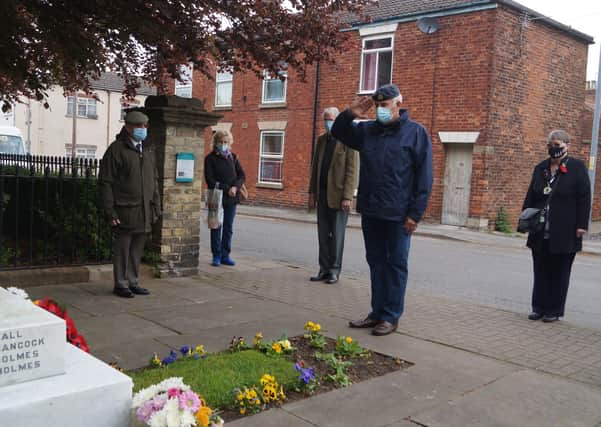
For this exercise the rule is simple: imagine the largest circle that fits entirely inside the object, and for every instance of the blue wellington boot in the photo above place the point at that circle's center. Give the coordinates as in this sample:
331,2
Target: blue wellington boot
226,260
216,261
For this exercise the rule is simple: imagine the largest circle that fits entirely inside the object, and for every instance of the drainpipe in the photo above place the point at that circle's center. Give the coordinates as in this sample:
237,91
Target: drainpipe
108,119
315,105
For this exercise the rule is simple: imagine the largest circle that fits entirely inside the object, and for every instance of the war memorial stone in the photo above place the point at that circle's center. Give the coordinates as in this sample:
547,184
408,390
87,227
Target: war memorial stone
44,381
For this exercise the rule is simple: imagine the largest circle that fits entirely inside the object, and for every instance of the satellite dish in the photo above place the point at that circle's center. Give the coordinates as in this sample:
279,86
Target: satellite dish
428,25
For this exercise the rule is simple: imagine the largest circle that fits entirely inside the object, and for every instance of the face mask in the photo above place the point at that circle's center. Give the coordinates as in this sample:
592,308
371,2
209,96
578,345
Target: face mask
383,114
139,134
328,125
222,147
556,152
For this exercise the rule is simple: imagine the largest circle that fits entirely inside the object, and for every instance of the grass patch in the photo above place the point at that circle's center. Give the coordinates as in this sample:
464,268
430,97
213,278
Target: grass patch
216,376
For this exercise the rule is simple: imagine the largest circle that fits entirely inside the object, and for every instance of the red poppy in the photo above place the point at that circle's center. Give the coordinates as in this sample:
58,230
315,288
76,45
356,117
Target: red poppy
563,168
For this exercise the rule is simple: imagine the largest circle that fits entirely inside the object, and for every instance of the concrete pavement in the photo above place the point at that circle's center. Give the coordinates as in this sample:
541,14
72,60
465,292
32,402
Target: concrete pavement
474,365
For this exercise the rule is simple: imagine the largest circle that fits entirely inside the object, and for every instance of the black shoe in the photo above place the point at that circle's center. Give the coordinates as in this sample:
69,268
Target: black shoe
333,278
535,316
139,290
123,292
320,277
550,319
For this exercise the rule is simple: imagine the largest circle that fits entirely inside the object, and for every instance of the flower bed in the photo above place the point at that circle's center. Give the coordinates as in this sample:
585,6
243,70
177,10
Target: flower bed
285,369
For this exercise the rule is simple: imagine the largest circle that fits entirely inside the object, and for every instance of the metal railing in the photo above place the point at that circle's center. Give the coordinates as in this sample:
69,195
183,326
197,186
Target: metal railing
49,212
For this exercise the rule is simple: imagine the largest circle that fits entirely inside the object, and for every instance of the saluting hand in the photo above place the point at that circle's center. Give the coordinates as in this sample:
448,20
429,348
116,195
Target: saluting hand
360,106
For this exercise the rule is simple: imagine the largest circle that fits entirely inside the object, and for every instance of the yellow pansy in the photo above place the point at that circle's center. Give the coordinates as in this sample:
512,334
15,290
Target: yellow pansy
348,340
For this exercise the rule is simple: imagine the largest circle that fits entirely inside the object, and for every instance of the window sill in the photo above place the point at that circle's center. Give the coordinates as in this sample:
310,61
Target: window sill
271,185
70,116
273,105
222,108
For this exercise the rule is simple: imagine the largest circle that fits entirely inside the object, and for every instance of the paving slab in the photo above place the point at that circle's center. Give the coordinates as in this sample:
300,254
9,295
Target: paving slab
119,329
272,418
191,318
448,374
135,354
218,338
522,398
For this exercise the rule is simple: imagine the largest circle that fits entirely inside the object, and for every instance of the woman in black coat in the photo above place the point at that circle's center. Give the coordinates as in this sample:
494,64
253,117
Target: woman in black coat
565,180
223,170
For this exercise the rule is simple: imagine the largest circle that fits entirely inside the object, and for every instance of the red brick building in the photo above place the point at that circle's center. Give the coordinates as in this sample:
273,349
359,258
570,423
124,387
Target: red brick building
488,79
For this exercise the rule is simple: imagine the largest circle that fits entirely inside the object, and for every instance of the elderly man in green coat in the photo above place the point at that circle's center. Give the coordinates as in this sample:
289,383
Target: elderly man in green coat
333,182
130,198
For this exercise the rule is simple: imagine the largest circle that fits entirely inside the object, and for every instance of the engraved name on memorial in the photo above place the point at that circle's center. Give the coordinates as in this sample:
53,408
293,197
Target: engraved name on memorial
31,341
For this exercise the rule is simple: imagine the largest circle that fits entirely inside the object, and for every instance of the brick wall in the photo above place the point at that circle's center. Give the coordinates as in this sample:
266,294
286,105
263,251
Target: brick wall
444,79
483,71
246,112
538,81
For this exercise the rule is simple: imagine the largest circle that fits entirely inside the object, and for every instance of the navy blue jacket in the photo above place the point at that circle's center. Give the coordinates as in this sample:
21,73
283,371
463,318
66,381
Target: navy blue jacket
395,178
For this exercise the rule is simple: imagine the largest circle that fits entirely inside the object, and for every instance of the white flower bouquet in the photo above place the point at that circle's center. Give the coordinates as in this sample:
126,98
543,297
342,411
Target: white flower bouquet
171,403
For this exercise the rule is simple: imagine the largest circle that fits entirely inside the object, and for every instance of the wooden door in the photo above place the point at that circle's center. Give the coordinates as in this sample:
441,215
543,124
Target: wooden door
457,179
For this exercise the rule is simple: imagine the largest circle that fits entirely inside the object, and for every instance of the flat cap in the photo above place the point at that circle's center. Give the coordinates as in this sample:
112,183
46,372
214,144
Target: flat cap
385,92
136,118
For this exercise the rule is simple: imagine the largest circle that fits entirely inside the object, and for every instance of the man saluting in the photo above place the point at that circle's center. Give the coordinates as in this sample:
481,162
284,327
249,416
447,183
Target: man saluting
395,181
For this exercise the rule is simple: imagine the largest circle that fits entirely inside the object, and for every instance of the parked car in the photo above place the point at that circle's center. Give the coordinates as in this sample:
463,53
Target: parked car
11,140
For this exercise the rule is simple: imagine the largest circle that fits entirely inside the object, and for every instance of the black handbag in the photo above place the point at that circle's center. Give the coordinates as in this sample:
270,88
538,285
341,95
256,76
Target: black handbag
532,220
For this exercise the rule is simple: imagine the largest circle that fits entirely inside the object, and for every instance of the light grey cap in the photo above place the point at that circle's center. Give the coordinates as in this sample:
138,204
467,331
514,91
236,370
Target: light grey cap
136,118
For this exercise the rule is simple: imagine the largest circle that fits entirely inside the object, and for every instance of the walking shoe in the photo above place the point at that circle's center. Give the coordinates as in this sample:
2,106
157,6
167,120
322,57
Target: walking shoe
216,261
319,277
535,316
332,279
123,292
226,260
363,323
138,290
384,328
550,319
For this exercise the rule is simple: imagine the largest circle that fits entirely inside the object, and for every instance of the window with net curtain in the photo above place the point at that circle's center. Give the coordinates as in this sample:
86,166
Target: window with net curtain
274,88
86,107
271,156
376,63
223,88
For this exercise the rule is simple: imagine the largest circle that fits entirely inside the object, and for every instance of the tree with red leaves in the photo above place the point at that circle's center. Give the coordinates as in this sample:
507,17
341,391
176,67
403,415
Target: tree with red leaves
68,43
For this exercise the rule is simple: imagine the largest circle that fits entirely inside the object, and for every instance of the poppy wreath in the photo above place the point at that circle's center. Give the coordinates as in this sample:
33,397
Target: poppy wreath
73,336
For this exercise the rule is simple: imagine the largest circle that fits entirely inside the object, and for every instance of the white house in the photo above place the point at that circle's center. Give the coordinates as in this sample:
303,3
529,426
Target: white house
49,131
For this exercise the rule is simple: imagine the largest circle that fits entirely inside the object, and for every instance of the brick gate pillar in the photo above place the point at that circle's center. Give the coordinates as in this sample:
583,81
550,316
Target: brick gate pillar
177,126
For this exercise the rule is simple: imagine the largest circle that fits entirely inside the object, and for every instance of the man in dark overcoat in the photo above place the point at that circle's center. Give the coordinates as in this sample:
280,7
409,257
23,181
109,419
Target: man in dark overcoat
334,173
395,182
129,190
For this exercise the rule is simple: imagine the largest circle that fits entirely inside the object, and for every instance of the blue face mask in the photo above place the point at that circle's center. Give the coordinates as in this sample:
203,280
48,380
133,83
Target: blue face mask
224,148
139,134
383,114
328,125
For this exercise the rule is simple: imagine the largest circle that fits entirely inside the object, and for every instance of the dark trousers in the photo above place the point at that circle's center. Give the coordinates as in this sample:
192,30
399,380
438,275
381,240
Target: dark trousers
551,281
221,238
331,225
128,248
387,252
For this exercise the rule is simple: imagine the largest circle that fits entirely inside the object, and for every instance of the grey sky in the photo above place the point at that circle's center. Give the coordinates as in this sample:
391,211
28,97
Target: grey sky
582,15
